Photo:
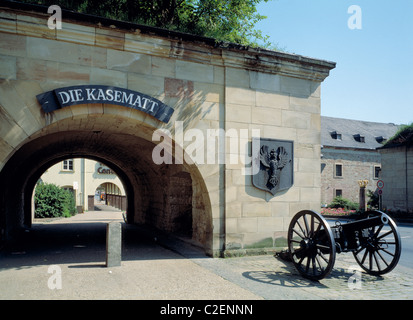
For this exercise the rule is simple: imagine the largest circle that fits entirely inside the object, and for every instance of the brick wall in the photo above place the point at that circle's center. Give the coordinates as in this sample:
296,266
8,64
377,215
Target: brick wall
356,165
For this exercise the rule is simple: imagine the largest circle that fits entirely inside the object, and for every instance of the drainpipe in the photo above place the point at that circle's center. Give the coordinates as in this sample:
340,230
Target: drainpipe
82,183
222,172
407,181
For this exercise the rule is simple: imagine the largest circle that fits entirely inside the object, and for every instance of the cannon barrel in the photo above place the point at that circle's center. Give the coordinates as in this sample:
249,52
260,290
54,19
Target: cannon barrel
365,223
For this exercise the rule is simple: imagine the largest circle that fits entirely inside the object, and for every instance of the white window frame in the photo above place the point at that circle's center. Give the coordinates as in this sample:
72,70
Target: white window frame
66,165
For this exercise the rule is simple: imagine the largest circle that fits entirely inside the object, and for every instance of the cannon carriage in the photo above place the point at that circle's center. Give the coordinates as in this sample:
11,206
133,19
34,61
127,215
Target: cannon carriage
312,243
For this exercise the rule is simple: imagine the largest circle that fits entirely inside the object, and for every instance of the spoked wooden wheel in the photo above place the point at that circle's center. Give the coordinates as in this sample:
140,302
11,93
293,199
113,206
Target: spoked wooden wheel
311,245
380,247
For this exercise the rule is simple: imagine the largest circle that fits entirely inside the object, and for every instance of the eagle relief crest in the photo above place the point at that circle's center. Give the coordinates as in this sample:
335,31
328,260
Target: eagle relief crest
275,161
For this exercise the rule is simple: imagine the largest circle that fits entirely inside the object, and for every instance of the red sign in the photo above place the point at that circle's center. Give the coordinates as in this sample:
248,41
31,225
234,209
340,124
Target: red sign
380,184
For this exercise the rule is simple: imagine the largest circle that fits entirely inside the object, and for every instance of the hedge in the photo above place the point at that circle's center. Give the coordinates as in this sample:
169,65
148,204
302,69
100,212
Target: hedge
340,202
51,201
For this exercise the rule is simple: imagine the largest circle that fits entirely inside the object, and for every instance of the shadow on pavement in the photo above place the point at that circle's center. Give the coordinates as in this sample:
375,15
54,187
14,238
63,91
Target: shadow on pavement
288,276
83,245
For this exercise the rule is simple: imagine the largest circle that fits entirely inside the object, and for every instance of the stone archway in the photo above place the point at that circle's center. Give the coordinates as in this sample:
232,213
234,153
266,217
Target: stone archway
115,82
108,193
124,144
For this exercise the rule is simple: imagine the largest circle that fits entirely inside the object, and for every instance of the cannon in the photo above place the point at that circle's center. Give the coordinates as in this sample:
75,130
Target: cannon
372,238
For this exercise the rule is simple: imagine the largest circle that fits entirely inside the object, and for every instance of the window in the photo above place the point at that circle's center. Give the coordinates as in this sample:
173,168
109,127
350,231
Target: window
376,172
67,165
70,189
359,138
335,135
381,139
338,193
338,171
323,165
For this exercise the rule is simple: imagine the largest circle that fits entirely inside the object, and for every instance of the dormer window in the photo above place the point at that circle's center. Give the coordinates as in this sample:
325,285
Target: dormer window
359,138
335,135
381,139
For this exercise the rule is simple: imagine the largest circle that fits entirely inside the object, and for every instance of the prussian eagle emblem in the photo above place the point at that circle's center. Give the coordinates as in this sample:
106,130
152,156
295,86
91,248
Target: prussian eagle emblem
274,161
274,158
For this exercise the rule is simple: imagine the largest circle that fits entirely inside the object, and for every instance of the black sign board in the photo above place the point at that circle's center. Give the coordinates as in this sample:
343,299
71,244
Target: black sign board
69,96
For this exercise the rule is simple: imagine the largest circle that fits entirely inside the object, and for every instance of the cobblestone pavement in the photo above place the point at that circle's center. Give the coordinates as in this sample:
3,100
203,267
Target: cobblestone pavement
272,278
162,267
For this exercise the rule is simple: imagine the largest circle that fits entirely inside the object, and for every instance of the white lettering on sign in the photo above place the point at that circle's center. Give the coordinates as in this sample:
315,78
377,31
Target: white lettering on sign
83,94
127,97
64,97
98,94
71,96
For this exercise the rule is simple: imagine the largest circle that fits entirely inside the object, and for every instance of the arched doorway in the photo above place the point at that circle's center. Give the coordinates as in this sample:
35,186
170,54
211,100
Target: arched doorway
91,182
110,194
124,144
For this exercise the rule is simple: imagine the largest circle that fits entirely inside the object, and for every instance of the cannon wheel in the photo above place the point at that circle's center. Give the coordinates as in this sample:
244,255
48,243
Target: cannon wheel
311,245
380,247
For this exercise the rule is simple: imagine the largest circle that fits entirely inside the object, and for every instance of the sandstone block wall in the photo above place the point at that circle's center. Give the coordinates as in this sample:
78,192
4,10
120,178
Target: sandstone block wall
210,87
397,175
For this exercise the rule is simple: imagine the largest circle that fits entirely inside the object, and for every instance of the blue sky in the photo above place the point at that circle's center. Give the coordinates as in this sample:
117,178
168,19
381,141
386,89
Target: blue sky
373,79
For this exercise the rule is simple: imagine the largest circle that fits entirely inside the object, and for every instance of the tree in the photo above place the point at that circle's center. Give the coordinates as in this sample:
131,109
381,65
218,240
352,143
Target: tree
224,20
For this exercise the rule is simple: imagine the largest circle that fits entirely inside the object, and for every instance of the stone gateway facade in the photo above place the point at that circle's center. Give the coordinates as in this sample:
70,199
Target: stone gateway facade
188,171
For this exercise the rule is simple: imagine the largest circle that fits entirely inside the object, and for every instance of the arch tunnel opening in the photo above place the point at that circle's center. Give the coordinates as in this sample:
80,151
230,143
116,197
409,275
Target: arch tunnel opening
165,197
108,193
92,184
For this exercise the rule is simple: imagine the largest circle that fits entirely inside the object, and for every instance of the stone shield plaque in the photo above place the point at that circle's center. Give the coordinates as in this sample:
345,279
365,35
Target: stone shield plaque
274,160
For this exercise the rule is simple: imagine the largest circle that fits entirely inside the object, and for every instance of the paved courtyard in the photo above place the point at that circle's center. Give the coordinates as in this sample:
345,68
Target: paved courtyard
160,267
271,278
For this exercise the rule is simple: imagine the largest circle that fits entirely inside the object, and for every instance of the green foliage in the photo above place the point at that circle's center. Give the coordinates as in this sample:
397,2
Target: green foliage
52,201
403,135
224,20
340,202
374,199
